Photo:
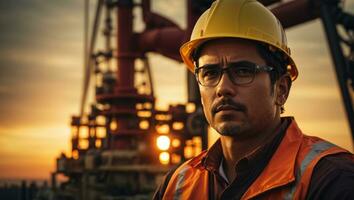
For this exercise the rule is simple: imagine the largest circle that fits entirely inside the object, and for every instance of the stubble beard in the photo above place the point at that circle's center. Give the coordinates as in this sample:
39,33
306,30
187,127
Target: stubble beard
229,130
228,125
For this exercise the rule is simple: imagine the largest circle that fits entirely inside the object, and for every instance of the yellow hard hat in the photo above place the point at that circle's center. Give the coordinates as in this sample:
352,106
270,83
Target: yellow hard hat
246,19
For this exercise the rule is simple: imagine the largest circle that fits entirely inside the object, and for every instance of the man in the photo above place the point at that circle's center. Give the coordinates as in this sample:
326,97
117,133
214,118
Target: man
238,52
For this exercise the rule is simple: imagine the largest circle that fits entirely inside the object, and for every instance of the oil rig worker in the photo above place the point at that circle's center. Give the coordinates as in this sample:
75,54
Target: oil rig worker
239,55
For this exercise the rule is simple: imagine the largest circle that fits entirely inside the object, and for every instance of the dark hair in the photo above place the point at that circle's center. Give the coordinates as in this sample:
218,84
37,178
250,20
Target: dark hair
196,53
276,59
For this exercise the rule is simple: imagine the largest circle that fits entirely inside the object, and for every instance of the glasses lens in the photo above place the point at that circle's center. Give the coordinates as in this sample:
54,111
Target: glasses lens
208,75
242,73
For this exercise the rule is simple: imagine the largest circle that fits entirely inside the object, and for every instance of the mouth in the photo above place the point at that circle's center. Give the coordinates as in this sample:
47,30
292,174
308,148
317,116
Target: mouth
226,107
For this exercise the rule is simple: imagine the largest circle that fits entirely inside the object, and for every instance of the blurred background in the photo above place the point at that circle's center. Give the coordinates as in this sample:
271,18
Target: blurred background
41,75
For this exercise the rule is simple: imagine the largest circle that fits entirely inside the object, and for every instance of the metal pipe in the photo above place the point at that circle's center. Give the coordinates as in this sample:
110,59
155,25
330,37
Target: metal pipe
146,9
125,62
339,60
288,13
125,67
165,41
149,74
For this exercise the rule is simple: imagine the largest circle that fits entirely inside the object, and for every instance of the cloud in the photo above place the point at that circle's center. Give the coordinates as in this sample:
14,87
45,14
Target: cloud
40,61
35,90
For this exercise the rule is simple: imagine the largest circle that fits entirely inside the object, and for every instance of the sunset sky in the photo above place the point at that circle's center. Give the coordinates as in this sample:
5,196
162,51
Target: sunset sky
41,74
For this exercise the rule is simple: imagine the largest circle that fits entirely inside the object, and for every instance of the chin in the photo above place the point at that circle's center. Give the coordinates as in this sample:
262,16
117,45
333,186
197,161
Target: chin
229,129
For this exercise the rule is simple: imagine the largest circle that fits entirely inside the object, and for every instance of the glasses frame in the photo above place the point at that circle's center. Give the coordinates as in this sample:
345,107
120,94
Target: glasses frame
257,69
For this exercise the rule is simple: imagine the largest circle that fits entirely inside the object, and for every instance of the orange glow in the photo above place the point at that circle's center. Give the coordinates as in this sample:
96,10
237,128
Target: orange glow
83,132
175,158
26,169
75,154
176,143
177,125
98,143
163,117
193,147
139,106
190,107
197,143
147,105
144,114
163,129
101,132
101,120
188,152
144,124
92,132
113,125
164,158
83,144
163,142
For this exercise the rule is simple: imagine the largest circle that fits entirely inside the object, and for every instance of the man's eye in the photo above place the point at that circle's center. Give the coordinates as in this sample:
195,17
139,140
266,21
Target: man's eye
242,71
209,72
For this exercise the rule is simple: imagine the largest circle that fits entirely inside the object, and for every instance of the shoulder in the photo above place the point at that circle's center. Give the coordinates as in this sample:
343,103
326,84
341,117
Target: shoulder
189,167
333,178
195,162
160,190
184,169
336,162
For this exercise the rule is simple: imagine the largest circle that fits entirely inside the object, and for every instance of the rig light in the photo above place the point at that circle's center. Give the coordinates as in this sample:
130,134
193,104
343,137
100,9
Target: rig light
164,158
176,143
75,154
163,142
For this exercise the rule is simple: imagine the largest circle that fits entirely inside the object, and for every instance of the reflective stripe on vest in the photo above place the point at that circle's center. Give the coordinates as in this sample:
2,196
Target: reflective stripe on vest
180,181
316,149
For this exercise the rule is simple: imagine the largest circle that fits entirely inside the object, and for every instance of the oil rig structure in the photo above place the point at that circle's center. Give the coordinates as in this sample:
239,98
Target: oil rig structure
123,146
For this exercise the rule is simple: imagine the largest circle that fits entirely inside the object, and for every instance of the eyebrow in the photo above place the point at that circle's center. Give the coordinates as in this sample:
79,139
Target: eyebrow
209,65
228,64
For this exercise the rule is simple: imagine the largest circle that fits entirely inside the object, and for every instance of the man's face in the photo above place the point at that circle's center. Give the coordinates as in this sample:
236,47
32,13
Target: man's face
240,111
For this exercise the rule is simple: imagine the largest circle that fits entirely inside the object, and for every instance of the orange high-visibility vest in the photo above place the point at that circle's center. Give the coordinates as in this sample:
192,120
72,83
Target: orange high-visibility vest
287,175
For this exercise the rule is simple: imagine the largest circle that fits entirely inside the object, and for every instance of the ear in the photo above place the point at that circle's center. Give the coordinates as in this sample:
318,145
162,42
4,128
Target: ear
283,86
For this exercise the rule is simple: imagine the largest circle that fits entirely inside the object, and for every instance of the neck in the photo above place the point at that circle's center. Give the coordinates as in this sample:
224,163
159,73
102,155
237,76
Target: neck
235,149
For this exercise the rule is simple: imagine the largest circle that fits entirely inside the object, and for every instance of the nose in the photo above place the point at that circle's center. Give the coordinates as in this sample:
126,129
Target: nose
225,86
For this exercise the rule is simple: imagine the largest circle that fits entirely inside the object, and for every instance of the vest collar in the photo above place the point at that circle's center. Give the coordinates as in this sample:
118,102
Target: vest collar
281,168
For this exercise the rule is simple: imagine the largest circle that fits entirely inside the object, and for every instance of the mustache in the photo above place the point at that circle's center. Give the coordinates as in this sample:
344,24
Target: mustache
228,102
